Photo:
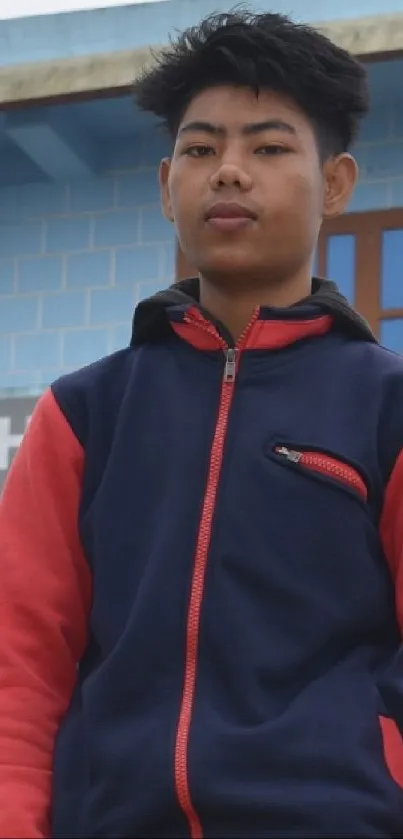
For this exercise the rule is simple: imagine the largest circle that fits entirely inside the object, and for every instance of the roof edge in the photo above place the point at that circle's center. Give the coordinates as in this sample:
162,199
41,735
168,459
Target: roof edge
81,76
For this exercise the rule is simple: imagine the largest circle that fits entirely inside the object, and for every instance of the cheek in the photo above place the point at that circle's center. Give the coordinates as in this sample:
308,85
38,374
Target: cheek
178,185
304,190
307,217
187,187
180,203
293,215
301,202
184,206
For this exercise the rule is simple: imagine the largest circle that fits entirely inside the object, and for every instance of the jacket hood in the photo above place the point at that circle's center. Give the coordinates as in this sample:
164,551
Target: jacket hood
150,322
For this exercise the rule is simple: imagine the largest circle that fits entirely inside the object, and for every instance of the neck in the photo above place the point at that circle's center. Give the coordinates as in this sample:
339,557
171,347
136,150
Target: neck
234,306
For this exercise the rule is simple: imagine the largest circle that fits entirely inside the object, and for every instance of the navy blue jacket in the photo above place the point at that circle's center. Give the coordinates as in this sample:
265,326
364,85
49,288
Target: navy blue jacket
217,538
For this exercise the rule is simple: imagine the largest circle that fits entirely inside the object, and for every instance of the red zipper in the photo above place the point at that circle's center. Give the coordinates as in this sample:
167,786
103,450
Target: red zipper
232,356
326,465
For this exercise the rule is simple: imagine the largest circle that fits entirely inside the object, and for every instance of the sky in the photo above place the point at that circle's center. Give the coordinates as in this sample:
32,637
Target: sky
26,8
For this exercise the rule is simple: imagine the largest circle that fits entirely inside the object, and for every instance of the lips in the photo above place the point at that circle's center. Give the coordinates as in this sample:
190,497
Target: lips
229,210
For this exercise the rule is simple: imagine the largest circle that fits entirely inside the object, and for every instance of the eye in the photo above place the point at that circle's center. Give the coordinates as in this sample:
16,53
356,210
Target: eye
271,150
199,151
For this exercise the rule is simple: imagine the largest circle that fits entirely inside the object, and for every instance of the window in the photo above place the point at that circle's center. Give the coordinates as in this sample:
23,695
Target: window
363,253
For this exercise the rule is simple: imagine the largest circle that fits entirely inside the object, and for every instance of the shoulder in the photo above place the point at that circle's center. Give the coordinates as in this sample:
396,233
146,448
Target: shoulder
382,362
374,367
96,389
383,372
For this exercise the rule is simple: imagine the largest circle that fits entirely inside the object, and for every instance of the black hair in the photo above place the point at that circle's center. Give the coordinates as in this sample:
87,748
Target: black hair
260,51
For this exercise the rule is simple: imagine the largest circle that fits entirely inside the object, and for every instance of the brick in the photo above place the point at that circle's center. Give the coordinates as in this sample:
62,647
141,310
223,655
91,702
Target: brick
398,118
19,314
40,200
92,268
62,310
139,263
26,381
370,196
68,234
8,205
396,199
149,289
42,273
381,161
112,305
37,350
46,378
169,260
20,239
29,201
95,195
121,336
114,229
5,353
139,188
83,346
122,156
378,125
7,276
154,146
154,227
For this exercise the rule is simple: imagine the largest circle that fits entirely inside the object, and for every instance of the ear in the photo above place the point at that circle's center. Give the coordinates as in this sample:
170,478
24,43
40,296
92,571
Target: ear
341,174
164,170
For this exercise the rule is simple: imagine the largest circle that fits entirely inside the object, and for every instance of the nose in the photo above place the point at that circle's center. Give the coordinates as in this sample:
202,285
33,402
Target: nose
231,175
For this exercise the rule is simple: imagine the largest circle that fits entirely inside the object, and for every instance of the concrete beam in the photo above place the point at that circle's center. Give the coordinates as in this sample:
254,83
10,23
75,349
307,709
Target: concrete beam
58,148
72,77
367,36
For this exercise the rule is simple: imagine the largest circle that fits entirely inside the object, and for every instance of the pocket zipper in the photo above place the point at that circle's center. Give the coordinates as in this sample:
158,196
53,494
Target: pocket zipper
325,465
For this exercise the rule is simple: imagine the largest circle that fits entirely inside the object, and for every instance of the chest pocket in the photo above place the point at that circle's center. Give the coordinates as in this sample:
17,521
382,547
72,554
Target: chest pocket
318,464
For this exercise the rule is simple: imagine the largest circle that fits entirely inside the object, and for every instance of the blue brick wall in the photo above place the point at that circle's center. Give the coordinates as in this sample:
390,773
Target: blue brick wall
76,257
379,152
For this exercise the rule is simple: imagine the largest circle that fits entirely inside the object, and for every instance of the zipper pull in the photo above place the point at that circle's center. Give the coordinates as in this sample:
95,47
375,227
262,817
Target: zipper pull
230,365
290,454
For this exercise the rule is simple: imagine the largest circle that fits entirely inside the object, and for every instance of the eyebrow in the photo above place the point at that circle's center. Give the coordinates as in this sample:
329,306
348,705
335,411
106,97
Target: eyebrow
247,130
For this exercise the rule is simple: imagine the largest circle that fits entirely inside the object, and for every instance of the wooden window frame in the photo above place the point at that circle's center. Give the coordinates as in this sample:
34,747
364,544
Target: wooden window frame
368,229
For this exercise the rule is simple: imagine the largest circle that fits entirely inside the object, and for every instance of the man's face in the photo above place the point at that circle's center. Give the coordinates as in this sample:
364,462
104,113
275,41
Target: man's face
245,186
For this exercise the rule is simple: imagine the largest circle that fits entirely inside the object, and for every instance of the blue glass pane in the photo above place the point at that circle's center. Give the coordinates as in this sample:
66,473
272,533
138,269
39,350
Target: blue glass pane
392,269
340,263
392,334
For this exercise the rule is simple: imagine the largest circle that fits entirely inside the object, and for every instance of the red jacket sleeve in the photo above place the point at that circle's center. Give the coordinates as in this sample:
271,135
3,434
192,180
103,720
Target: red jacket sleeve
45,591
391,532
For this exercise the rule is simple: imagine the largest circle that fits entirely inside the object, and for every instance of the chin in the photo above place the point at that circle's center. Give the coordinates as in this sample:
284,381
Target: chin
226,265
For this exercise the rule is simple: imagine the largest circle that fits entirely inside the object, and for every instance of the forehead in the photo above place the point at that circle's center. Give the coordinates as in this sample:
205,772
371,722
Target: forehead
233,107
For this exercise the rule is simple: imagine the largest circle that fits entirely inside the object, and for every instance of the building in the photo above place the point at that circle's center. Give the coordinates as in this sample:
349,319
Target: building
81,233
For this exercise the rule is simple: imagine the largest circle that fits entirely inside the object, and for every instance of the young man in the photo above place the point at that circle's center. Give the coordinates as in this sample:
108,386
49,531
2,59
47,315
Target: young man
210,522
